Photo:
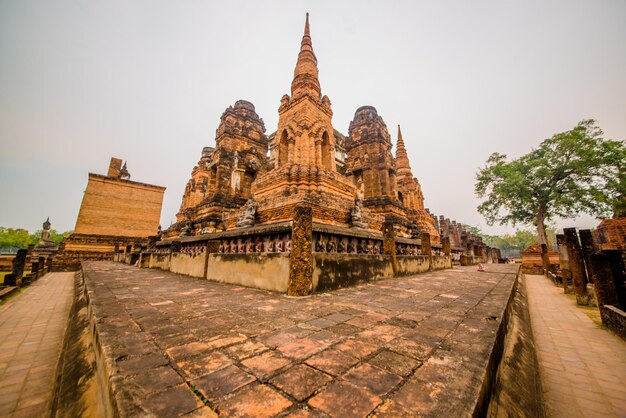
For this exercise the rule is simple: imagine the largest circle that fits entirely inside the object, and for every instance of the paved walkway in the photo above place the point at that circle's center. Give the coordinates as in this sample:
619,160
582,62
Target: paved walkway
392,348
582,367
32,327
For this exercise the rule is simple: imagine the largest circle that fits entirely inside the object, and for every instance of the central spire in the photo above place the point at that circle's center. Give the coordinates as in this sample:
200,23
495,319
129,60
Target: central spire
402,159
305,80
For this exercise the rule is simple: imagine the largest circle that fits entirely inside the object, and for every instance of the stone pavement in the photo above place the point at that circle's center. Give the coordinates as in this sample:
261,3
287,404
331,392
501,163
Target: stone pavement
400,347
582,367
32,328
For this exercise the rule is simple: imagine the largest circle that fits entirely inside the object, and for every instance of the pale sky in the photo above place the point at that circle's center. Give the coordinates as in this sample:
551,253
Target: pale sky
147,81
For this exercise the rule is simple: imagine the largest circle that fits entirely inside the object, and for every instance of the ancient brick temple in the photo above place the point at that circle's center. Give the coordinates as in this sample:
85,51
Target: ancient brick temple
350,181
116,216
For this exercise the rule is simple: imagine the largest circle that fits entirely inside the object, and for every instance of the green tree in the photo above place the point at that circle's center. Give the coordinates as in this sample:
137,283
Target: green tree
21,238
573,172
10,237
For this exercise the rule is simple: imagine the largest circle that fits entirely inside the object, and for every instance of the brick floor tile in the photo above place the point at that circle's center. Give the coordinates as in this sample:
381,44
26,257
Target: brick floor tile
138,364
343,399
321,323
283,336
222,382
254,401
394,362
245,350
302,348
390,409
223,341
265,364
187,350
411,348
300,381
202,412
361,321
305,413
332,361
154,380
376,380
357,348
174,401
343,329
418,396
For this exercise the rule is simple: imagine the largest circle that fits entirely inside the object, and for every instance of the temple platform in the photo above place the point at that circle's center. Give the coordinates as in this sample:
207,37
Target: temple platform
171,345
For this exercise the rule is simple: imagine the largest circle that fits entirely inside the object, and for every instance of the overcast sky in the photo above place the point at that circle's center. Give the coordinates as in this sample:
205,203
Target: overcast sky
147,81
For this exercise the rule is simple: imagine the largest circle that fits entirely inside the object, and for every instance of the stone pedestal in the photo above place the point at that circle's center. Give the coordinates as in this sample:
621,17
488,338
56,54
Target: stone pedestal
301,258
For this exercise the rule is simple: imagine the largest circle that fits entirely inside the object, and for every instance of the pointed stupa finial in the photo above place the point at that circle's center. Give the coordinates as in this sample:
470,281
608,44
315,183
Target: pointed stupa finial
305,79
307,32
402,159
400,140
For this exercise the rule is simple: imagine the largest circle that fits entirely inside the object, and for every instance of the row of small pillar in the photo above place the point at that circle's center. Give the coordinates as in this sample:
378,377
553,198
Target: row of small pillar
583,262
39,267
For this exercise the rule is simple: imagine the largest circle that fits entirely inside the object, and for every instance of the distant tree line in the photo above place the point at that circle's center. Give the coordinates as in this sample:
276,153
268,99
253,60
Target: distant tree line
512,245
21,238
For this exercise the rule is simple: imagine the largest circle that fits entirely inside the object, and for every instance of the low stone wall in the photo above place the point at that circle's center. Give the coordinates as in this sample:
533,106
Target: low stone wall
188,264
412,264
441,262
614,319
160,261
268,271
333,271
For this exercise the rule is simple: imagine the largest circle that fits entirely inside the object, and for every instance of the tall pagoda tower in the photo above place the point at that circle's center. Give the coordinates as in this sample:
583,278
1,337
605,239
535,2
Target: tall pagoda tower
303,152
410,192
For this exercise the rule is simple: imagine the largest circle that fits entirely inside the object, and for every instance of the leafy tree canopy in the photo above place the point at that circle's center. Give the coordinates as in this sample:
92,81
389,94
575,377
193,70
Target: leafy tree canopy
573,172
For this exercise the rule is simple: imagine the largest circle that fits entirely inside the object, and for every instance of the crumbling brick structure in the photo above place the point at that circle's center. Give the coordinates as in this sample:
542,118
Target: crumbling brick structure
347,181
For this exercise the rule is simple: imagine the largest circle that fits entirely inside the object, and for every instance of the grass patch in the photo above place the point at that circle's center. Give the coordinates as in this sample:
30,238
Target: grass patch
593,312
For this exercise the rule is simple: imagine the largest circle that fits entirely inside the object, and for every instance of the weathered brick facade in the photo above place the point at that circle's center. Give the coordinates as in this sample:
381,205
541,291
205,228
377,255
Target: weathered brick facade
118,207
116,215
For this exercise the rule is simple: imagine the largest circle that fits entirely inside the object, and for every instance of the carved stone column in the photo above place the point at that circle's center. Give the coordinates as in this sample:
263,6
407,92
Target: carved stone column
389,244
301,257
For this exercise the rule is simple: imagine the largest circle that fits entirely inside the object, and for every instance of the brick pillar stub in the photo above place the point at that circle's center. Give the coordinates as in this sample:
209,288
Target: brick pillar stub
576,265
301,257
566,275
42,266
427,248
447,248
545,259
604,284
616,261
389,244
587,248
